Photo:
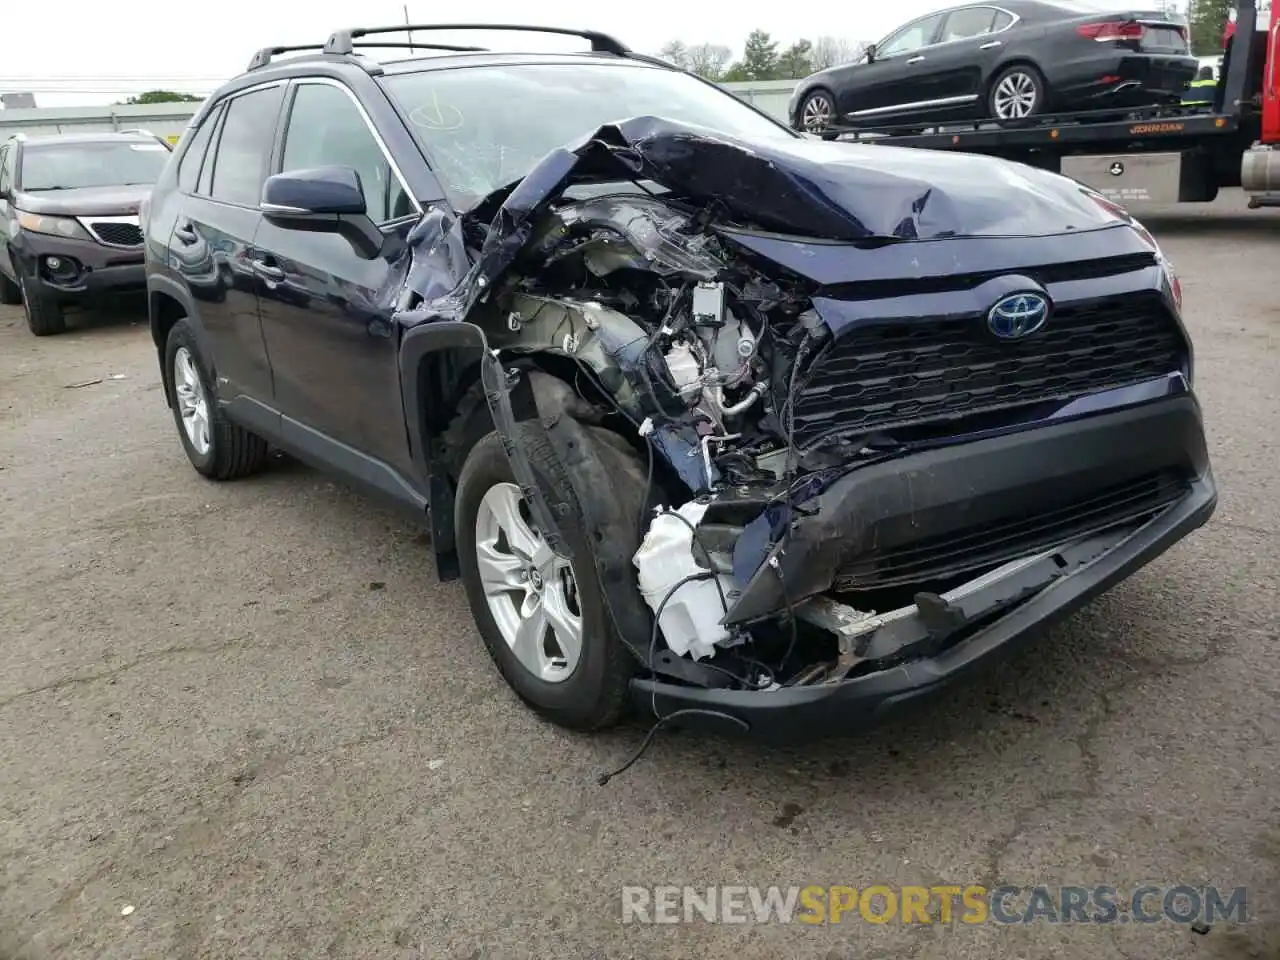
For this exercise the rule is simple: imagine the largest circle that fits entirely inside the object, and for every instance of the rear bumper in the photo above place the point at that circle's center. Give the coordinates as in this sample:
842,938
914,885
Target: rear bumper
1125,78
921,655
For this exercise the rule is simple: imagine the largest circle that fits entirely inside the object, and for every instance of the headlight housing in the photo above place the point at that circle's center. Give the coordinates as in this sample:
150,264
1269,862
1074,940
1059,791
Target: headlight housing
1170,275
53,226
1174,287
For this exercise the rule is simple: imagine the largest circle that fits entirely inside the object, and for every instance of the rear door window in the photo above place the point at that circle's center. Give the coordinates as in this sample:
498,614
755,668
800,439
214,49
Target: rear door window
244,148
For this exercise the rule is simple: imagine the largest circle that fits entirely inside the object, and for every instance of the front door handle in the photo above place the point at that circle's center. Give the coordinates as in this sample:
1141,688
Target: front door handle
992,45
268,271
914,60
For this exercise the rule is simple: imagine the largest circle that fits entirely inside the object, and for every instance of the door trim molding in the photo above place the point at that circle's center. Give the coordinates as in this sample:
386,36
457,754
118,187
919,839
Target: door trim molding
917,105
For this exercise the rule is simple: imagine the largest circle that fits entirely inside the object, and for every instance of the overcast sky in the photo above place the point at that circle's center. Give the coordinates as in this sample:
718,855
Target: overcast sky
73,54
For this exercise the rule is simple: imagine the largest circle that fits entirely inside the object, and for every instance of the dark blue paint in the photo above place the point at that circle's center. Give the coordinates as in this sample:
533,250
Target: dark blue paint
322,190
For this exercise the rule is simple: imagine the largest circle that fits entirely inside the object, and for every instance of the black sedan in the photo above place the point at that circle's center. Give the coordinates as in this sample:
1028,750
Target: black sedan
1005,61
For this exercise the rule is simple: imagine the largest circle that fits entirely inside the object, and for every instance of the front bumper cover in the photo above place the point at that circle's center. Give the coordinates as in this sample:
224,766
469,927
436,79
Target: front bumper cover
948,492
102,269
1092,566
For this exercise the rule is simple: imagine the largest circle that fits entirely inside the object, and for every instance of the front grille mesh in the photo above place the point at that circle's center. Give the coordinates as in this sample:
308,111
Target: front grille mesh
892,375
976,547
117,234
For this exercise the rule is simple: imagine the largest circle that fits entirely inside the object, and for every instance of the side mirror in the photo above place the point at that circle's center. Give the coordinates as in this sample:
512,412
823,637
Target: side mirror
871,53
322,200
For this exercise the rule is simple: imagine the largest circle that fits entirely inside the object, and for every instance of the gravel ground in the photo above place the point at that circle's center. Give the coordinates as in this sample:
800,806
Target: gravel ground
248,712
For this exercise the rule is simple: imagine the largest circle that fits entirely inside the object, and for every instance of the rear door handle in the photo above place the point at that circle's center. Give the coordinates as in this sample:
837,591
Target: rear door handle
992,44
184,232
915,60
268,271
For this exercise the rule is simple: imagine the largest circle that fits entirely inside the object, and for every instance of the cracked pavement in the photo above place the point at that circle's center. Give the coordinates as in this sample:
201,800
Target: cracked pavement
249,712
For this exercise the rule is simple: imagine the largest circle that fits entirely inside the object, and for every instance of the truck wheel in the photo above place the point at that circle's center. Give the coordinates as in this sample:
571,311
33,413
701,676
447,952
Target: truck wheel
216,447
544,622
1017,93
44,314
10,292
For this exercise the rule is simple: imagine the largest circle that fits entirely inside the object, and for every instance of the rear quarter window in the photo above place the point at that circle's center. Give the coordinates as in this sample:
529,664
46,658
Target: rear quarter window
194,153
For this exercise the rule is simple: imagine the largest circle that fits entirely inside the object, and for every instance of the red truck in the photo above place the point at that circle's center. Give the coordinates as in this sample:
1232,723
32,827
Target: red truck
1160,154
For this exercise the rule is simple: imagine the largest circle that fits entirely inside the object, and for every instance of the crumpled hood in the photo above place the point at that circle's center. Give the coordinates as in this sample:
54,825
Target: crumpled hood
85,201
805,189
851,191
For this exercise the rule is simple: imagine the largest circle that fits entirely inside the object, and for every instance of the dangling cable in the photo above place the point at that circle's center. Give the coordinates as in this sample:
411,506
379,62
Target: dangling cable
604,778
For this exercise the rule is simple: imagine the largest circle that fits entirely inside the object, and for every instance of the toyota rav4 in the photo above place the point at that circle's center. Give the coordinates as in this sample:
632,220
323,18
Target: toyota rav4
710,418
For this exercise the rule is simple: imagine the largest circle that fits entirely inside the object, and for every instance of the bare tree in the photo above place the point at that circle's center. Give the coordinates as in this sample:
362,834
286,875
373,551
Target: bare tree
831,51
675,53
708,60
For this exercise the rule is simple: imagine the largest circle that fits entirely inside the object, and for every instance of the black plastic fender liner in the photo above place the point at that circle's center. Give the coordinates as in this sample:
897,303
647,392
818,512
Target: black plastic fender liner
608,490
609,486
608,496
510,403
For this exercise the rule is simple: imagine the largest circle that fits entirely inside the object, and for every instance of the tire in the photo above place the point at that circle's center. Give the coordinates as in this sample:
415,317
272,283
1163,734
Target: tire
44,314
1019,91
592,694
10,292
227,451
817,111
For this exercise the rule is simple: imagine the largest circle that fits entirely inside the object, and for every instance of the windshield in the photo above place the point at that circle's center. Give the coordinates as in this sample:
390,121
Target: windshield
485,127
66,166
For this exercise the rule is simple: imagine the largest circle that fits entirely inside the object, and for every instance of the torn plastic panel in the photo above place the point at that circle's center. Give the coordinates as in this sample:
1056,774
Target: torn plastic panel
510,403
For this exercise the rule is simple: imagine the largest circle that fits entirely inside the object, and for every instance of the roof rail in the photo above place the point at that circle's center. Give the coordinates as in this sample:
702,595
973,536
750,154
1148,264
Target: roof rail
265,55
343,41
450,47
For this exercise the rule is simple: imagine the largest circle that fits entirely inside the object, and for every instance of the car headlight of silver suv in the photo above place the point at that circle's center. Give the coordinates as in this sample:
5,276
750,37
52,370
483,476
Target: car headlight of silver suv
53,226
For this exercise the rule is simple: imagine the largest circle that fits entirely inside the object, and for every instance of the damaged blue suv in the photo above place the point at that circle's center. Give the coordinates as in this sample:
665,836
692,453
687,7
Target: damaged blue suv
711,419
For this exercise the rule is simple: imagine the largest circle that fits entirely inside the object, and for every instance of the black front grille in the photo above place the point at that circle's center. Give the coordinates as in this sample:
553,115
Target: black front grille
893,375
118,234
973,548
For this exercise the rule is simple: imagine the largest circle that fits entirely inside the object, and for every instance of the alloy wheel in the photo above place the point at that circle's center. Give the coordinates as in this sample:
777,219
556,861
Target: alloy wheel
817,113
530,590
192,402
1015,96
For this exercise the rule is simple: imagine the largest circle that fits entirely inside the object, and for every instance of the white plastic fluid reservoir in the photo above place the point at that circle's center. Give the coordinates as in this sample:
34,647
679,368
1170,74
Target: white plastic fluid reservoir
690,620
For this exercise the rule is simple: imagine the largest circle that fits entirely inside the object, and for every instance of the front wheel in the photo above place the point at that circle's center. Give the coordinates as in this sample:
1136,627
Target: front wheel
1017,93
817,112
44,313
543,619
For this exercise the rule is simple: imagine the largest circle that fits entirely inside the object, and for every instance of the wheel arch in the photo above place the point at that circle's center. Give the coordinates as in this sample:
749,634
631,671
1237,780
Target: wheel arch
167,303
446,371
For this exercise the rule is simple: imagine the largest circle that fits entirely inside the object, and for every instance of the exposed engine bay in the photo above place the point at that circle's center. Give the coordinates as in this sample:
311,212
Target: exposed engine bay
709,347
741,344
